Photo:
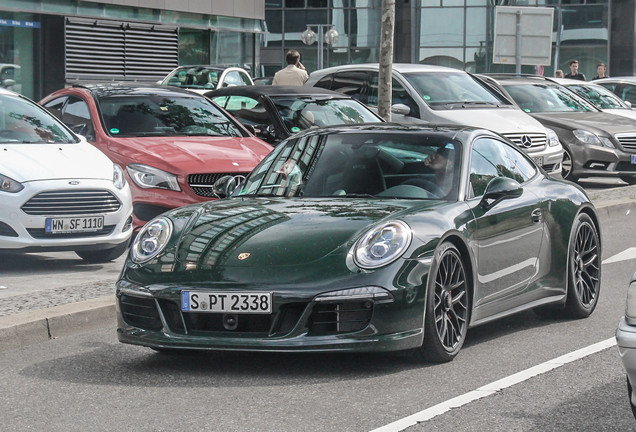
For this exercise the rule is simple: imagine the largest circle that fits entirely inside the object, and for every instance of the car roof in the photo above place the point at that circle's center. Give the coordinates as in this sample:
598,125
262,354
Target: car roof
5,91
617,79
569,81
512,79
255,92
113,88
221,68
397,67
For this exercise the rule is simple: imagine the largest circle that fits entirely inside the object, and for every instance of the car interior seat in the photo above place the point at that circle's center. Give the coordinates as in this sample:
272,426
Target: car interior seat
363,175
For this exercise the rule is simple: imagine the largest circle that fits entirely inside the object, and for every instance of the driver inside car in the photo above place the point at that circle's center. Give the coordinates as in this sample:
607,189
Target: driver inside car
442,162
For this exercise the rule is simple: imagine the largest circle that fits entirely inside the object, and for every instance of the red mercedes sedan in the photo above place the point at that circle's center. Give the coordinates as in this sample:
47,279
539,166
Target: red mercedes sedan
174,144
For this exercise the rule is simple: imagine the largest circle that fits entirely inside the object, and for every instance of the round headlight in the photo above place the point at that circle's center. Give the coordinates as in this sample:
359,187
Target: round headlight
382,244
151,240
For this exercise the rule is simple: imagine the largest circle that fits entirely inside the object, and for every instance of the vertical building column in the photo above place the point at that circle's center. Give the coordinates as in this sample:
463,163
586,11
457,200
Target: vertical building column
623,38
402,36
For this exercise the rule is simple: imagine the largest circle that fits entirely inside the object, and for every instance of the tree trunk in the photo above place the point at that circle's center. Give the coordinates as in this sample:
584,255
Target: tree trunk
385,82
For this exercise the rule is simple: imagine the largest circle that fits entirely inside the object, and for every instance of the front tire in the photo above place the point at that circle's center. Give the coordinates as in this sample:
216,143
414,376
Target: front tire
629,395
447,306
566,167
104,255
584,268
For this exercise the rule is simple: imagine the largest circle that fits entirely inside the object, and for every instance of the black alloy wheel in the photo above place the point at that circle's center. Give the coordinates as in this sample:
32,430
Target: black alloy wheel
584,268
447,306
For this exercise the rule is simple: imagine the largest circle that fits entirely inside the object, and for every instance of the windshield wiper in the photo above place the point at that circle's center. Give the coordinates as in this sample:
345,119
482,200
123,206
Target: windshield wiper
355,195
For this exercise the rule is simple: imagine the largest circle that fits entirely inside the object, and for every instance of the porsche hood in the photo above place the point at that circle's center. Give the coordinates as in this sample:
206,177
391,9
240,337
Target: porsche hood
271,232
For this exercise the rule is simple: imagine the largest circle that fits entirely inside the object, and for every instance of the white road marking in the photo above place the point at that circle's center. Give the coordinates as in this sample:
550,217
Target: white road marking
627,254
494,387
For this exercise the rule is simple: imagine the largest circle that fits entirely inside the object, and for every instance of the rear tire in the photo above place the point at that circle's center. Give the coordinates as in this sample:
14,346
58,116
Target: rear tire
584,268
103,255
447,306
629,396
566,167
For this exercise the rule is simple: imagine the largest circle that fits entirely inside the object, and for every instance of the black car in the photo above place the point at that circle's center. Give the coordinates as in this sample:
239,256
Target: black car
277,112
596,143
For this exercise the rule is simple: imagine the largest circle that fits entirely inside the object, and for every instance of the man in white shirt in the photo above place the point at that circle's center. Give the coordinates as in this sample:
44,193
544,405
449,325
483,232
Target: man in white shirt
294,73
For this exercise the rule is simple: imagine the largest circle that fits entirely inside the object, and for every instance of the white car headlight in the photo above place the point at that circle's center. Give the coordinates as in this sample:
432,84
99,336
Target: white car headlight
151,240
118,177
588,137
382,244
147,177
9,185
630,307
553,139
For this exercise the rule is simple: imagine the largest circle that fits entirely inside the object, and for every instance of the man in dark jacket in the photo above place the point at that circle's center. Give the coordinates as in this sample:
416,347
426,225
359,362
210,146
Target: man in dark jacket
574,71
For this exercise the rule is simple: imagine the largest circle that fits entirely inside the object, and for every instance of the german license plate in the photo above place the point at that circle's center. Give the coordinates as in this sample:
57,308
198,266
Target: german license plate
204,301
633,159
539,160
74,224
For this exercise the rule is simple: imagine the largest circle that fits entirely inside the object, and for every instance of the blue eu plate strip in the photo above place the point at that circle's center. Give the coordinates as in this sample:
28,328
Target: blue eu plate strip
185,301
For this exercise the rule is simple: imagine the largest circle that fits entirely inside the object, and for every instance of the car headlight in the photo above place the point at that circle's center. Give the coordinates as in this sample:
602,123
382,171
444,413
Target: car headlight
151,240
9,185
118,177
630,308
382,244
553,139
588,137
147,177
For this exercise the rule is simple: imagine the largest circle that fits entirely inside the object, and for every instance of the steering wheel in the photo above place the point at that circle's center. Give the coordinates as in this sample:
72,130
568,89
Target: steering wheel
428,186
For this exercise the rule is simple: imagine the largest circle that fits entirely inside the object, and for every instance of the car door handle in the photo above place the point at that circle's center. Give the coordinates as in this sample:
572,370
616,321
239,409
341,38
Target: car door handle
536,215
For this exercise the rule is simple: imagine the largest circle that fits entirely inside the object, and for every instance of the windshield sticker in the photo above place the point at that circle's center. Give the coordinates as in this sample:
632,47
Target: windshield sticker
426,97
526,109
295,129
114,131
450,146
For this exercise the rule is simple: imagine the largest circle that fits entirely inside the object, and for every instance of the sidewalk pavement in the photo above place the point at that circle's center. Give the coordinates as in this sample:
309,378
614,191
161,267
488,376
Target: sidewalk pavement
40,325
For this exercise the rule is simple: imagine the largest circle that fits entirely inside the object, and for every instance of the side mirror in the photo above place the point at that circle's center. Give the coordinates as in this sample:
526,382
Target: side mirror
8,82
226,185
499,189
628,103
400,109
250,128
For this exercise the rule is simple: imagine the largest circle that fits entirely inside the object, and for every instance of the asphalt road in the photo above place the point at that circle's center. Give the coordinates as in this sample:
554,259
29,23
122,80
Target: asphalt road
92,382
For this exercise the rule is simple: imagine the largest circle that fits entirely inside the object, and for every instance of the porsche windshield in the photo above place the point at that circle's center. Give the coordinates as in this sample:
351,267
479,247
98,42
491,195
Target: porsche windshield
23,122
306,113
364,165
539,98
160,115
444,90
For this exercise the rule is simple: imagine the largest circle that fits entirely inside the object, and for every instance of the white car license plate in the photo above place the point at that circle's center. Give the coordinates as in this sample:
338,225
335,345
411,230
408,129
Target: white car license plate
204,301
539,160
74,224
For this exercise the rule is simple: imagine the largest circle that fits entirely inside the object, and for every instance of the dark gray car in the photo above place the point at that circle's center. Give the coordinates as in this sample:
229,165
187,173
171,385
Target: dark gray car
596,143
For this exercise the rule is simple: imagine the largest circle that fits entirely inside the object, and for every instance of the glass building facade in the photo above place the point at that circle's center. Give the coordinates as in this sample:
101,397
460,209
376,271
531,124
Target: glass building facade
32,39
454,33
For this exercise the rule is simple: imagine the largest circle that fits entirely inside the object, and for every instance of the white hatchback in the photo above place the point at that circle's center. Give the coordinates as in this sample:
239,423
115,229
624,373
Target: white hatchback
57,191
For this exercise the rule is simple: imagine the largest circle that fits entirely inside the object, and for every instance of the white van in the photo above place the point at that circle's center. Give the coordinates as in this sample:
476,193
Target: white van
441,95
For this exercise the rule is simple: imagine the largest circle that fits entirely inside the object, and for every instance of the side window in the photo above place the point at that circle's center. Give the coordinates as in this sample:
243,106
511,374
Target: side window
232,79
221,100
78,118
628,93
610,86
350,83
325,82
399,95
244,79
248,110
55,106
492,158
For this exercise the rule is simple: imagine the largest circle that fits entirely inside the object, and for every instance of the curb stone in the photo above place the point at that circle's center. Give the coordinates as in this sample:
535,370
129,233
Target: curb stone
40,325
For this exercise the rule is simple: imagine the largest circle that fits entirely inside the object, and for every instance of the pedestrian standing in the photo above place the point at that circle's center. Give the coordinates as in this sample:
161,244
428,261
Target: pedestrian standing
294,74
574,71
558,73
601,71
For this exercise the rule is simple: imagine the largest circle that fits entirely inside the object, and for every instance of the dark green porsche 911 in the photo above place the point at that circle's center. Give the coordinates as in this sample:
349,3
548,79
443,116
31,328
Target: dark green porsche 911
364,238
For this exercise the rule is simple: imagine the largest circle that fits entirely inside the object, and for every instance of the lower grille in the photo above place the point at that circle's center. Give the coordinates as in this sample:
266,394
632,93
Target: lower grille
62,203
213,322
40,233
140,312
345,317
627,141
625,166
530,142
201,184
7,231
